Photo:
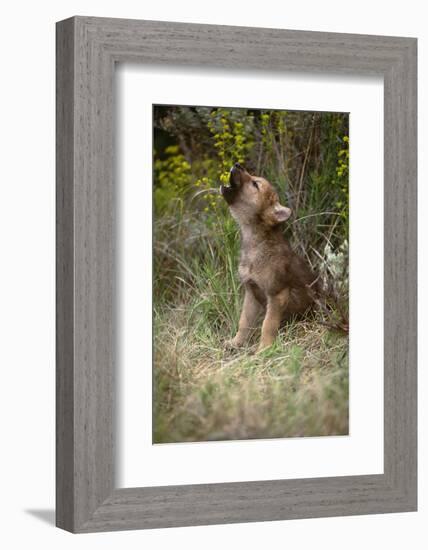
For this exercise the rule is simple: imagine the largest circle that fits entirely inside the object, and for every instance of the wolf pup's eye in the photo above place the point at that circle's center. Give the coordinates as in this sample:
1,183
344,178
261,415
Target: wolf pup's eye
256,185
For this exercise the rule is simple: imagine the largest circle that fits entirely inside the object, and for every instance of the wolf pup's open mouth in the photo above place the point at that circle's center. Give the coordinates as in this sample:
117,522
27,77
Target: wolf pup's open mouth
229,191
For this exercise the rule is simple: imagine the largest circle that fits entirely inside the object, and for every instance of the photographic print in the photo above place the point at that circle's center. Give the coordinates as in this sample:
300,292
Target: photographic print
250,273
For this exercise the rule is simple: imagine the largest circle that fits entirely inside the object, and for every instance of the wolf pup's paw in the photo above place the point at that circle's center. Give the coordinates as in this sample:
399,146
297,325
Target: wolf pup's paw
232,344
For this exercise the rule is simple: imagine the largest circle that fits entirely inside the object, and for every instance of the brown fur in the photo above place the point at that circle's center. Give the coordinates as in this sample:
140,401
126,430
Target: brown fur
277,281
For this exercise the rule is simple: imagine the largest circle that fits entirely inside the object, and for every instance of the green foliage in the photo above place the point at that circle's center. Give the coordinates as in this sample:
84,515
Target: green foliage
232,132
342,171
306,155
172,175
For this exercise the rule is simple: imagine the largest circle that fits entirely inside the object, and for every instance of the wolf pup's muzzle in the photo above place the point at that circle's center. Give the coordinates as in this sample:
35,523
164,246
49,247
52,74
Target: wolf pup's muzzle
230,191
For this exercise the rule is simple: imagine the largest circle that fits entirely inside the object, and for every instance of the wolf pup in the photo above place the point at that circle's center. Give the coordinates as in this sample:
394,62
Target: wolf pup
276,280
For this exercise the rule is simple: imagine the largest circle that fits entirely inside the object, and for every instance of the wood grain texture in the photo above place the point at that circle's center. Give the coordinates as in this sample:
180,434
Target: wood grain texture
87,49
64,276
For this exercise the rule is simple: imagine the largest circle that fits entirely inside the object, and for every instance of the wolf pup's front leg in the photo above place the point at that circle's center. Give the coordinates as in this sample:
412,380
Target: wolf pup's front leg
276,307
250,311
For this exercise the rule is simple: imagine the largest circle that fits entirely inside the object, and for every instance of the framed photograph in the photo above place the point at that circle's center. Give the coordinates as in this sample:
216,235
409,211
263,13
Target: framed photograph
236,274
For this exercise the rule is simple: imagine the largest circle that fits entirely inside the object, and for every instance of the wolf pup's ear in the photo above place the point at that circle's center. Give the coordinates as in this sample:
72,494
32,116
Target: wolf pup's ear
276,214
280,213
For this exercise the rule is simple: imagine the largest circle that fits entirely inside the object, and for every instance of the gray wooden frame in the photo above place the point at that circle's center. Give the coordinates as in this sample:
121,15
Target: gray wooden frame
87,50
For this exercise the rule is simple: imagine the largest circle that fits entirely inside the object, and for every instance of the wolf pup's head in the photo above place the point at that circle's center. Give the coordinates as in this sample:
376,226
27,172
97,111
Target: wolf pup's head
252,199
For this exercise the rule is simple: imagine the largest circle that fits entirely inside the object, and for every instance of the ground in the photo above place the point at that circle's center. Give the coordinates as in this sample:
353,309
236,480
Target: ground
297,388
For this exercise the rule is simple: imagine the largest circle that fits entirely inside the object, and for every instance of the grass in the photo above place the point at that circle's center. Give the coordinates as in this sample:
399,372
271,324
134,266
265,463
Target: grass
299,387
296,388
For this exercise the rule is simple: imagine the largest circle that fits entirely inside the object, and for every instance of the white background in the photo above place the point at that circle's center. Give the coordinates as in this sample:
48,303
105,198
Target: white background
362,451
27,274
